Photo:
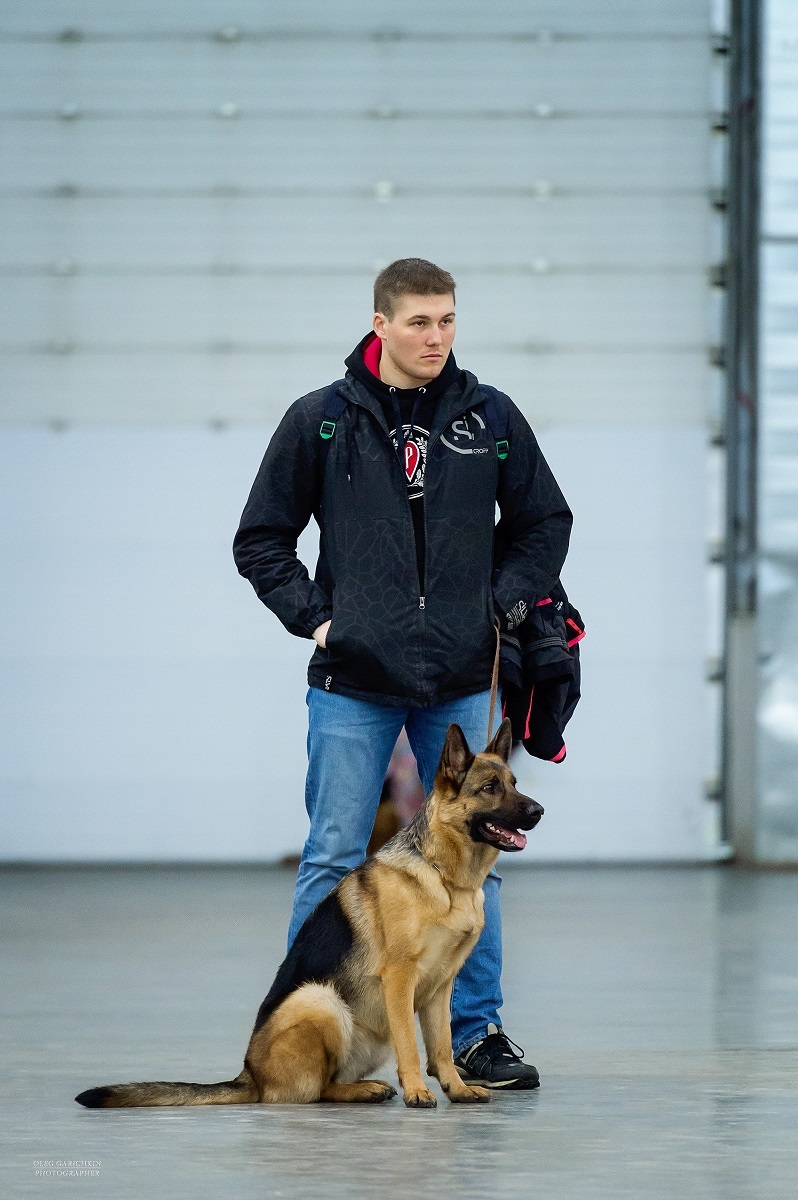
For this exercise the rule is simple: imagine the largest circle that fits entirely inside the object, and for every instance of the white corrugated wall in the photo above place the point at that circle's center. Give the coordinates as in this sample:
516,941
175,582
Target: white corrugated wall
194,199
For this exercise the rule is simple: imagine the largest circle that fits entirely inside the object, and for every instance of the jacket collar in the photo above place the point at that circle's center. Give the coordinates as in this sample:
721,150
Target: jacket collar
452,390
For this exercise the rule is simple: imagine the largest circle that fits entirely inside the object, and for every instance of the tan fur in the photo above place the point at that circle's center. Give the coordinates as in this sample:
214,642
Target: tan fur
416,911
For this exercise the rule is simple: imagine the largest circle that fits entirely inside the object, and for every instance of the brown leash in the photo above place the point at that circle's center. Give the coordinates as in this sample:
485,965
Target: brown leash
494,683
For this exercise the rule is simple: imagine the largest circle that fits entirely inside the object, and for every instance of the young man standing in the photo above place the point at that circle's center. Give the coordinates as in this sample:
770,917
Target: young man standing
403,485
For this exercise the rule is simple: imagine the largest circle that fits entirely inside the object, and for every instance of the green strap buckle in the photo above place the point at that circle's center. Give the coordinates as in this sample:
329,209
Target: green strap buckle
327,429
502,448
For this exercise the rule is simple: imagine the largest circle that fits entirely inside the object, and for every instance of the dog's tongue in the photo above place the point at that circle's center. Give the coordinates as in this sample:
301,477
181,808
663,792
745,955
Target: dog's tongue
514,836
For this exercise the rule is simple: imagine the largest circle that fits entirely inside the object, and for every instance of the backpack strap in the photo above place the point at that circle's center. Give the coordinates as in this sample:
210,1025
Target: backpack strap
334,405
497,415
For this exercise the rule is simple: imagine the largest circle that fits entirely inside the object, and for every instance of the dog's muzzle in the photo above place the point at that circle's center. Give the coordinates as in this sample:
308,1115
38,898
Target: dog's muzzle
503,829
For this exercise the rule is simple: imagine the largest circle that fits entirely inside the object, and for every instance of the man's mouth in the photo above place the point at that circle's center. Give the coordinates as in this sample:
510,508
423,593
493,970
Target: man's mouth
501,836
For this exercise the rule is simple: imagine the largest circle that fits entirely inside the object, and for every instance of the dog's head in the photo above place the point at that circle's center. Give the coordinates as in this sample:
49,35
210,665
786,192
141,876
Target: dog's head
478,791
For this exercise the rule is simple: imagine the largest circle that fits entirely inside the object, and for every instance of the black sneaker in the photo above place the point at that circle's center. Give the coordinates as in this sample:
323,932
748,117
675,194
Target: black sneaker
496,1062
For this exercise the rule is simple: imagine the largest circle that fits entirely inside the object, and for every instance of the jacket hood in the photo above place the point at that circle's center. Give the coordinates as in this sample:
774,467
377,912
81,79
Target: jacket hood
364,363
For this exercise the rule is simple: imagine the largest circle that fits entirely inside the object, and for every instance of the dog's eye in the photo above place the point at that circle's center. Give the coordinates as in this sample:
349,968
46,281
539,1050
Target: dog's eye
489,787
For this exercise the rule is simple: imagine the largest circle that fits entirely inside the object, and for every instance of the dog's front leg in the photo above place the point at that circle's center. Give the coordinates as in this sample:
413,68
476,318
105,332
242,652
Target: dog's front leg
435,1018
398,986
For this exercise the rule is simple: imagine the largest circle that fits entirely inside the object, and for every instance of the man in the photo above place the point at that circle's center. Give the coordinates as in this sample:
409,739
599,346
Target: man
403,485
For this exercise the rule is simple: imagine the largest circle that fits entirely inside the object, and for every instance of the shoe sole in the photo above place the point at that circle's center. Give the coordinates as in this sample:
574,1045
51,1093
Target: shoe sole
518,1085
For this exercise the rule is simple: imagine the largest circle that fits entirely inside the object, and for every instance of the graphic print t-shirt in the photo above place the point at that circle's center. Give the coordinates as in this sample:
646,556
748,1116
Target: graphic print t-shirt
415,469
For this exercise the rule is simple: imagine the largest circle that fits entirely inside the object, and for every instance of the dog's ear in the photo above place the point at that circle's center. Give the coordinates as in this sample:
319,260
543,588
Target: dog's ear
456,757
502,743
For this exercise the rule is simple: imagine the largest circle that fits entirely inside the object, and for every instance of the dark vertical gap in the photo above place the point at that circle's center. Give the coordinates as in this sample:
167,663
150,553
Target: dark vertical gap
741,350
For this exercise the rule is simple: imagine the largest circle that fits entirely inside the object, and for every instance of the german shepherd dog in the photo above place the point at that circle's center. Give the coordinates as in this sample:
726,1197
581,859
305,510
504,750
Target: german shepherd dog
387,942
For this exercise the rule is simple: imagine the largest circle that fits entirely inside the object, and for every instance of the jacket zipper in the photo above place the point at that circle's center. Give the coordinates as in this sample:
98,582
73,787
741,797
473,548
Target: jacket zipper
422,600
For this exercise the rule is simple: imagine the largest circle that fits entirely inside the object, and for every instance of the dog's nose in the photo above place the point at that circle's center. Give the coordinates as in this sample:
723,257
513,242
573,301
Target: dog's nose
534,811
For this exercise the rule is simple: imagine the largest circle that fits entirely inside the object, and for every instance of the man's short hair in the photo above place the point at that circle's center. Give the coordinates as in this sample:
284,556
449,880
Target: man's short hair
409,277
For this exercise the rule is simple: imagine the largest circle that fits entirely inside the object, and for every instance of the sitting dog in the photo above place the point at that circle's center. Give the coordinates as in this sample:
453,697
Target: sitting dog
387,942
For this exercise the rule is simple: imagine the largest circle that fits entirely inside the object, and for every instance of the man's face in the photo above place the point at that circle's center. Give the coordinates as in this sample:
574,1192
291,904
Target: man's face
418,337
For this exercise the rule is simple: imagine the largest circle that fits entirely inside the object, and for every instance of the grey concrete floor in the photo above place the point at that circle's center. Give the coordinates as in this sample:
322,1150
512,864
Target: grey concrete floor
660,1005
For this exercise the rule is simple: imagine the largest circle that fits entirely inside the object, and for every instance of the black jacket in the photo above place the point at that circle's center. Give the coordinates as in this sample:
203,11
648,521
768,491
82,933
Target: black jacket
541,675
387,643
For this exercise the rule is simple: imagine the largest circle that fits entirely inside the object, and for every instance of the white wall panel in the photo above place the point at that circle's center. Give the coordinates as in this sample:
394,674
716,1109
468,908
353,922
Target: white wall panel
355,154
148,691
619,18
611,233
356,74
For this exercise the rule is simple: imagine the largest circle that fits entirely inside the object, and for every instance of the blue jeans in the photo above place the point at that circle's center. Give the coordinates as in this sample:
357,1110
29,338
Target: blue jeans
350,743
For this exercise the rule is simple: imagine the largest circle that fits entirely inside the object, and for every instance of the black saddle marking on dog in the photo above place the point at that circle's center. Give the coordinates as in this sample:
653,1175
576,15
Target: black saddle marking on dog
320,947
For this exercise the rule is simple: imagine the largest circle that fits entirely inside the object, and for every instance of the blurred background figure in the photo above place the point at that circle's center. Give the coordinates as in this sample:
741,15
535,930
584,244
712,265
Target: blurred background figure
402,795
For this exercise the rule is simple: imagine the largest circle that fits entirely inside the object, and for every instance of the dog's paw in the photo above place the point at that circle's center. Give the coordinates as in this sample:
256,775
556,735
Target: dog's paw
469,1095
420,1098
377,1090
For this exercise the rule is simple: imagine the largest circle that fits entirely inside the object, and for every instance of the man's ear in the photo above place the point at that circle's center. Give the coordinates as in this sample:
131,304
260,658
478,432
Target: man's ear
456,757
502,744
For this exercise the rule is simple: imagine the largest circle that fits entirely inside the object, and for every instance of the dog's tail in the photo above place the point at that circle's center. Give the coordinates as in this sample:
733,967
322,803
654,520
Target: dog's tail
241,1090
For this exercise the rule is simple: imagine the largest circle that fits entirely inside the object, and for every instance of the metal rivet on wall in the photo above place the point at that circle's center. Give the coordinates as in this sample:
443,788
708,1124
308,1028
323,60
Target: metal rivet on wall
544,110
541,265
542,189
718,275
227,110
228,33
716,550
69,112
383,190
